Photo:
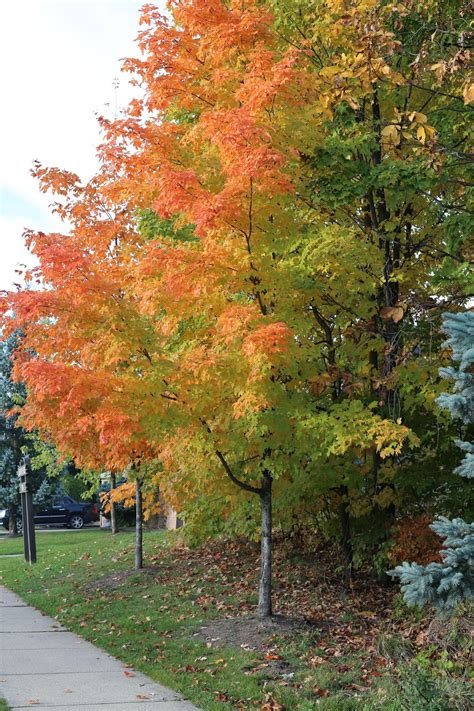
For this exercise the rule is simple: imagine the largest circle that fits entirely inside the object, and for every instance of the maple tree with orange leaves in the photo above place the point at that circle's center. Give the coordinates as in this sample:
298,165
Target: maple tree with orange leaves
237,302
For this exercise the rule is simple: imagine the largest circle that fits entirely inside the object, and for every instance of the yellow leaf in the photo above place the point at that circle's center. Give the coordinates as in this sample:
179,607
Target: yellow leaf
330,71
391,134
420,118
421,134
468,93
392,312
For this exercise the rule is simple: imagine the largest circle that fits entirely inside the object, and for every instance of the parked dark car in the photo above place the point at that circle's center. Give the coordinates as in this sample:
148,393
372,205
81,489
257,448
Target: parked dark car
63,511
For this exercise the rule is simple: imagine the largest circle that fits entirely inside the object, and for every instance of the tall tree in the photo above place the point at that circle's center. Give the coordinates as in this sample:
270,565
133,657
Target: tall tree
386,161
12,436
244,290
450,582
217,143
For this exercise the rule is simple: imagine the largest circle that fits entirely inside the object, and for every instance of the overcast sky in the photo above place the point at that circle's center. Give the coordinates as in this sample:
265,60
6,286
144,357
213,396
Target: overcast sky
58,62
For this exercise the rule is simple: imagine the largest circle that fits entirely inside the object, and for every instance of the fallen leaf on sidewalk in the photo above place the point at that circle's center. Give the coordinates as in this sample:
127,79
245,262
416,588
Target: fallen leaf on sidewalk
30,702
68,691
127,673
143,697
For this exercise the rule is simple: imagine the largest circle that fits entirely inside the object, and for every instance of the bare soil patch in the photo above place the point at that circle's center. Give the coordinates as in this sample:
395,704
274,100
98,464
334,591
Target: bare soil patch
117,580
252,633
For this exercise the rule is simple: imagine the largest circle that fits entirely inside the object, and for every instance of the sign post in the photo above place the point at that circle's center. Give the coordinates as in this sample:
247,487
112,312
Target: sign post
29,540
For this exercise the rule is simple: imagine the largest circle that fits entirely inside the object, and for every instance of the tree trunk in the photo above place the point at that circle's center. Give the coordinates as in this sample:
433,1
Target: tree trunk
265,587
138,527
113,509
346,539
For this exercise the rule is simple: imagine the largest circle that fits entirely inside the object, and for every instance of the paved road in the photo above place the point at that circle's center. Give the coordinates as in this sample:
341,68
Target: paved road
42,665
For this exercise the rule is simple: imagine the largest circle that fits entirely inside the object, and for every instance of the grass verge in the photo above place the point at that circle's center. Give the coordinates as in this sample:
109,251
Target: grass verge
153,620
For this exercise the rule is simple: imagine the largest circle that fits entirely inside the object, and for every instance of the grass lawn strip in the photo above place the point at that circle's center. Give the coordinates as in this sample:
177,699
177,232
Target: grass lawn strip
154,620
144,623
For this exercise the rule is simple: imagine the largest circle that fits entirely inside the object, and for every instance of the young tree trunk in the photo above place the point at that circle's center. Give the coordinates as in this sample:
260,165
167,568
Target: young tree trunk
138,527
265,587
346,540
264,491
336,392
113,509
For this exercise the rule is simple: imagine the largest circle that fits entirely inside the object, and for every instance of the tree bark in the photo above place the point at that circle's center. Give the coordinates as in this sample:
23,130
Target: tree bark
264,609
138,527
346,540
265,587
344,519
113,509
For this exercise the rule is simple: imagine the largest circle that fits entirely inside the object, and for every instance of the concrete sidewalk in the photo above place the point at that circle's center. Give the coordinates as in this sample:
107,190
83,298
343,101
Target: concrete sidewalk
42,665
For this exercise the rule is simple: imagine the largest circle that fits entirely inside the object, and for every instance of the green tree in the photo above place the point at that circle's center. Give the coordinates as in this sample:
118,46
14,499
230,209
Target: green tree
12,437
448,583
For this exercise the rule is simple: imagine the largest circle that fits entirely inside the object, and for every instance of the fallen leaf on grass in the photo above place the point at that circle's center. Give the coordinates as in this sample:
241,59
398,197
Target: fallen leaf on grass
321,692
315,661
359,687
271,705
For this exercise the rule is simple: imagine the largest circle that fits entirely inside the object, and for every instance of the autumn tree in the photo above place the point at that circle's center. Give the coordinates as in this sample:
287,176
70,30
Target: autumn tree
219,143
386,162
252,286
76,358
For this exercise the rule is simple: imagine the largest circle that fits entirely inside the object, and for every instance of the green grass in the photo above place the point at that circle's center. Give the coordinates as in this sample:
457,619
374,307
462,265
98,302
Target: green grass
144,622
14,545
3,705
149,620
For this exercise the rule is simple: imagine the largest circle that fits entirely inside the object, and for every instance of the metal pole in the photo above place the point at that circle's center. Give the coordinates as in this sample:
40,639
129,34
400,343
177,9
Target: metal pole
29,540
23,508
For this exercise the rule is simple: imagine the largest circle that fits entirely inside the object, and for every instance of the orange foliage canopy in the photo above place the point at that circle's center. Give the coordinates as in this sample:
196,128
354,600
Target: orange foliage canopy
189,349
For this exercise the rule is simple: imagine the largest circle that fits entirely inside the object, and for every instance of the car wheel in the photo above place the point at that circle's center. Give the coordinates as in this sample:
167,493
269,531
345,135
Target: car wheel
76,521
19,526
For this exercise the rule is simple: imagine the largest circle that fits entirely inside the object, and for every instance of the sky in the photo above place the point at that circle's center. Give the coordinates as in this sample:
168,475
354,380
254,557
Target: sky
59,59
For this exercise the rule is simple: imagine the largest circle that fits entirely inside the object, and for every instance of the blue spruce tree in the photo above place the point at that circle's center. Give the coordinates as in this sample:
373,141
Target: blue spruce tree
444,585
